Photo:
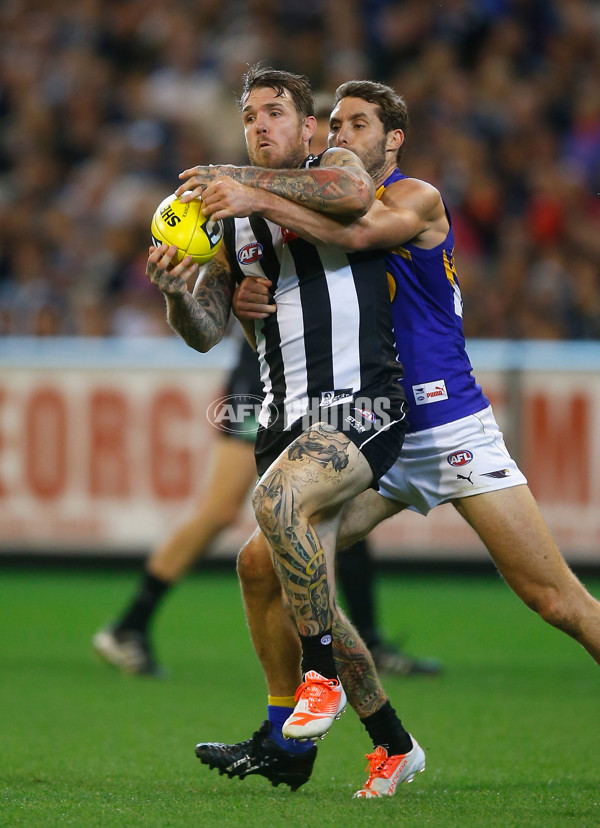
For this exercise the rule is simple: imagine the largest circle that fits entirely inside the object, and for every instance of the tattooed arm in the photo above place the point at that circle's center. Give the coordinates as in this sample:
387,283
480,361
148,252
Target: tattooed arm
408,210
200,318
340,186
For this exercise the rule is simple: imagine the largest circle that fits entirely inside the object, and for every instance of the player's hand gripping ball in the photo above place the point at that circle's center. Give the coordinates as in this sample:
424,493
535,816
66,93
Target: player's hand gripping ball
186,226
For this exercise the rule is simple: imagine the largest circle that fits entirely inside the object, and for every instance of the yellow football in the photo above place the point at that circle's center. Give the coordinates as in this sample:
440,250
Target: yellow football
186,226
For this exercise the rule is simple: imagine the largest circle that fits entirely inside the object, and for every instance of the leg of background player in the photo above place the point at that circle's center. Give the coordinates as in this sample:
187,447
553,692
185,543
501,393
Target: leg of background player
355,575
126,643
356,569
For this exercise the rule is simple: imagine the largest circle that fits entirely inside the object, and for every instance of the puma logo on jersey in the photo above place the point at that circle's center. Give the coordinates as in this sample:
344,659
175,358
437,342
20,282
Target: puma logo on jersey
430,392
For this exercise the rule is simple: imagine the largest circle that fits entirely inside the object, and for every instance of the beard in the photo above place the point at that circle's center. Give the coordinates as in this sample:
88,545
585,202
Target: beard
374,159
274,159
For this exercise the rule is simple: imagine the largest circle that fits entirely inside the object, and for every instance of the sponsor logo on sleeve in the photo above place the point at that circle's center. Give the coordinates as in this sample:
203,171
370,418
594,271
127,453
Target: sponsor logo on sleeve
430,392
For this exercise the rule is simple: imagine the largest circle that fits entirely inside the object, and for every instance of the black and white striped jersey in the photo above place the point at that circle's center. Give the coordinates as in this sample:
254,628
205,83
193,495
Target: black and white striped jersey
332,333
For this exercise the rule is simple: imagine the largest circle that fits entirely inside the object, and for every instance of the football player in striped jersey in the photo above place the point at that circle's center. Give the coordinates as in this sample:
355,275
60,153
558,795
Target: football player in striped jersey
454,451
334,414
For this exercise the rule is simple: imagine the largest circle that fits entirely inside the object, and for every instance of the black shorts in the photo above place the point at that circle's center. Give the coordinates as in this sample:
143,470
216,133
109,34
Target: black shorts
379,437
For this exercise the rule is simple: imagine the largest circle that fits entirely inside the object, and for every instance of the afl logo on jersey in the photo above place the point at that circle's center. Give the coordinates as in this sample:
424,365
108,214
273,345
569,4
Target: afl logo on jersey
250,253
460,458
367,415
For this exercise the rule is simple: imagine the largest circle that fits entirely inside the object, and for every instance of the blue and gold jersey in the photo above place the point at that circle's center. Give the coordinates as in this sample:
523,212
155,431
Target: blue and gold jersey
427,312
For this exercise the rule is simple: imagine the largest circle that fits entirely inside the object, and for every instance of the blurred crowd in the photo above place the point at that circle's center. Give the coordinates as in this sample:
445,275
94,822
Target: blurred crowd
104,102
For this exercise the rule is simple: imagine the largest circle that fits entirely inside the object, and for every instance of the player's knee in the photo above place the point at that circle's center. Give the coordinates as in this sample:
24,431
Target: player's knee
254,563
553,606
264,507
270,500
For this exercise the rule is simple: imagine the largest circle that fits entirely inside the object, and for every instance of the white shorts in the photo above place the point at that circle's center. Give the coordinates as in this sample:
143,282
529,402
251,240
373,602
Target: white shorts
462,458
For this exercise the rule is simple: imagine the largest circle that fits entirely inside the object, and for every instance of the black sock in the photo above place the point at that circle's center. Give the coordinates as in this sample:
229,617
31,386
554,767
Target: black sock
385,729
317,654
139,613
355,569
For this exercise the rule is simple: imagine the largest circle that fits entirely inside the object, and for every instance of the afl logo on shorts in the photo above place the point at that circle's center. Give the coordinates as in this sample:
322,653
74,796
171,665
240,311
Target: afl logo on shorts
250,253
460,458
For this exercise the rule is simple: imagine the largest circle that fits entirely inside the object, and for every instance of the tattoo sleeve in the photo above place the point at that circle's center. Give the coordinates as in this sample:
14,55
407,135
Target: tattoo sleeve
342,187
355,668
200,318
299,557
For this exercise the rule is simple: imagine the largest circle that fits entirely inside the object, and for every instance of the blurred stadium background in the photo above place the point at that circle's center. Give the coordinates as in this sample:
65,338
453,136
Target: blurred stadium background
103,434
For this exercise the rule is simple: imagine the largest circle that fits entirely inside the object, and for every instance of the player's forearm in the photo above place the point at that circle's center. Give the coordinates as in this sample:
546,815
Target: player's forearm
195,321
312,226
341,191
200,318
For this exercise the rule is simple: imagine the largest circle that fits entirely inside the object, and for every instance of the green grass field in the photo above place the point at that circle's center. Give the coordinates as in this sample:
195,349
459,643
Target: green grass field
511,730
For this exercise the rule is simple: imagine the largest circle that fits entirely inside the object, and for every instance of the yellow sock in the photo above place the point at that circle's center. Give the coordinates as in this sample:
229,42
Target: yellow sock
282,701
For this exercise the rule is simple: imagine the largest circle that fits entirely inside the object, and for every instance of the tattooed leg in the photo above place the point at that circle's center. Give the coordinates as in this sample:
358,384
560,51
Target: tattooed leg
355,668
275,637
318,472
354,662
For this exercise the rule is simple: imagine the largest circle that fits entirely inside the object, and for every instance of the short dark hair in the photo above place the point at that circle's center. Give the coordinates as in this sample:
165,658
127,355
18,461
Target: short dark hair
298,86
391,107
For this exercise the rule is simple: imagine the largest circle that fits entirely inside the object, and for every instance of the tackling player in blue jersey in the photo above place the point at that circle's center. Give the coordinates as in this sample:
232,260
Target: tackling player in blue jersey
449,412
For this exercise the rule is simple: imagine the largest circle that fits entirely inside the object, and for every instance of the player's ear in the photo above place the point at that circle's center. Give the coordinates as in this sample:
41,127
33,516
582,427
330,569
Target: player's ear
308,129
394,139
